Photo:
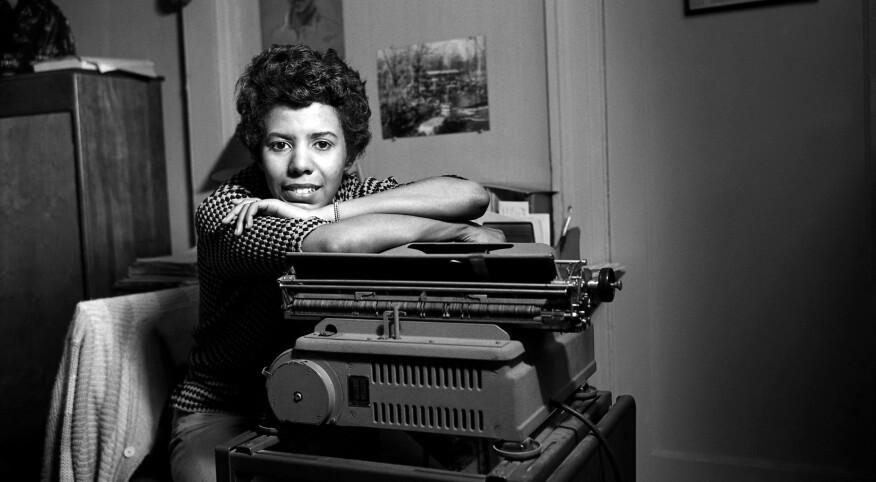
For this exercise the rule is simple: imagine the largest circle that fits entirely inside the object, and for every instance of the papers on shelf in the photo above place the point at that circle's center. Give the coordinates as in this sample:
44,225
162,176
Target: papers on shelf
159,272
514,208
145,68
540,223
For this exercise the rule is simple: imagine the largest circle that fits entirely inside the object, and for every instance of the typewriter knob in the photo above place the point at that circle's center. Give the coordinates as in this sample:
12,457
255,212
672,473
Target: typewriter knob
606,284
301,391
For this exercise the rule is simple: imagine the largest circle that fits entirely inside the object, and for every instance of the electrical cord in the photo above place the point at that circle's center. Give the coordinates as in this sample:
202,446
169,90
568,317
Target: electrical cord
598,434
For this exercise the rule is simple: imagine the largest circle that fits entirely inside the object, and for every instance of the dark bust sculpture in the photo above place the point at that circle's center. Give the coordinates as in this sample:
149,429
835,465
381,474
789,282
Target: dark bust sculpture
30,31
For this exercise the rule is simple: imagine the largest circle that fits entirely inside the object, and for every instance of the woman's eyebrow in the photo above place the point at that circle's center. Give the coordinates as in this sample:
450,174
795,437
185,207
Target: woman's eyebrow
315,135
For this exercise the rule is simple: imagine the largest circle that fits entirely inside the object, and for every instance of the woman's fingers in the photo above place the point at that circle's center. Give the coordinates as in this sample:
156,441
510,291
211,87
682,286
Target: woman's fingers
239,204
251,210
244,217
246,209
240,214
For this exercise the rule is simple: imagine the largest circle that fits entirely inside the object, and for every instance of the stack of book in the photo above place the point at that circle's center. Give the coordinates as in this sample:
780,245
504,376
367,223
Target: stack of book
160,272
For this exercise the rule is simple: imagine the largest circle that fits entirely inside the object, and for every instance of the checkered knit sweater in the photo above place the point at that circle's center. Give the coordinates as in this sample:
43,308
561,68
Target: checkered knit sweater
241,327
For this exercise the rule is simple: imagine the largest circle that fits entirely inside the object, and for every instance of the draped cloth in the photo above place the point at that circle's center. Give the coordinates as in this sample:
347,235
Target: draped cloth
122,357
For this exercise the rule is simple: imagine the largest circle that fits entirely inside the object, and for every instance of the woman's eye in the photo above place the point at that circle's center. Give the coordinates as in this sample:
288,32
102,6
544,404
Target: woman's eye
322,145
279,145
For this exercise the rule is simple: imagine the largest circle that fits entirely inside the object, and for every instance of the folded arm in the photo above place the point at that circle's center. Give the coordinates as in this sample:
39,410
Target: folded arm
373,233
445,198
440,198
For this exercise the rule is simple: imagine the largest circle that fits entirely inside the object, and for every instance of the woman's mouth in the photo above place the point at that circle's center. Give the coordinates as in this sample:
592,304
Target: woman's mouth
300,191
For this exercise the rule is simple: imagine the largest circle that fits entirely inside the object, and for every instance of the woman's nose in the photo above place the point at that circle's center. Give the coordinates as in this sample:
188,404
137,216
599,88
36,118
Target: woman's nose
300,162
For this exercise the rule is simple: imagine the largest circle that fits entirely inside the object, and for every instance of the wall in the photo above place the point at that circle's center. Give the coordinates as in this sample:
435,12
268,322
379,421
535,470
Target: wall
515,151
741,202
145,30
220,39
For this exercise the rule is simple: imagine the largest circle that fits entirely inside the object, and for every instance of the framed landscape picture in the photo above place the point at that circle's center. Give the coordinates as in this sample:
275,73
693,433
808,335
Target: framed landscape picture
433,88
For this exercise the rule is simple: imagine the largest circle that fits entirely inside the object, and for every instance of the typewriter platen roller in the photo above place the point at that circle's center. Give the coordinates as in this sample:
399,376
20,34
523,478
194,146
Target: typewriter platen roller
455,338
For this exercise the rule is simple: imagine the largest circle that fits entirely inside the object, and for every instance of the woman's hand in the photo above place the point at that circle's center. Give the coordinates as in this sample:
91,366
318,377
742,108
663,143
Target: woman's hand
246,209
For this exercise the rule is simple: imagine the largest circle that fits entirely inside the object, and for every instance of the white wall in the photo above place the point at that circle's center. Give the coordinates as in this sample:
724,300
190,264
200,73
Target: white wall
220,39
741,202
515,151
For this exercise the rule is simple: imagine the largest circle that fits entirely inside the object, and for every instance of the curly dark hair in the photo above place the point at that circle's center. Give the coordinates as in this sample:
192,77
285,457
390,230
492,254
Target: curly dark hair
297,76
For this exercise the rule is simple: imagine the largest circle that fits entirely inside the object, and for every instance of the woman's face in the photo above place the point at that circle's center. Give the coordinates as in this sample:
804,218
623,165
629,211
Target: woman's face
304,154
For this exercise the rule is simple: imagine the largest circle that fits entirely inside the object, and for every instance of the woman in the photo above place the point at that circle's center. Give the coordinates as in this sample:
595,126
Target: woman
304,118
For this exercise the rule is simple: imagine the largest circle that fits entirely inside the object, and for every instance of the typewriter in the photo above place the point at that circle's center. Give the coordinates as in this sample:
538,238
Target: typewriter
461,339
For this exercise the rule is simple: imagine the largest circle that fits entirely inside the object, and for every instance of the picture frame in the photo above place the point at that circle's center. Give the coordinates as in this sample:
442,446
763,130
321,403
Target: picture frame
694,7
433,88
318,24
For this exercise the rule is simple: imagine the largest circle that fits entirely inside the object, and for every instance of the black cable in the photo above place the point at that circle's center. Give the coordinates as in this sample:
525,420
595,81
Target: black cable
598,434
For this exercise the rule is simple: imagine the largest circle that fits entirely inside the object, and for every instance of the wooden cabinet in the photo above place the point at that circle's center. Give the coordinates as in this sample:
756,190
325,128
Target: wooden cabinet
83,192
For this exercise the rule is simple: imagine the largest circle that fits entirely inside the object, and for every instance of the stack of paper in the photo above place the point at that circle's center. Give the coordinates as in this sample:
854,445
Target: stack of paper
147,274
540,222
145,68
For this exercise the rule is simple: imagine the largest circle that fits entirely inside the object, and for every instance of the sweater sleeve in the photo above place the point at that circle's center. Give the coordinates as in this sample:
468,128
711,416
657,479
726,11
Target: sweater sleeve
261,249
353,188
